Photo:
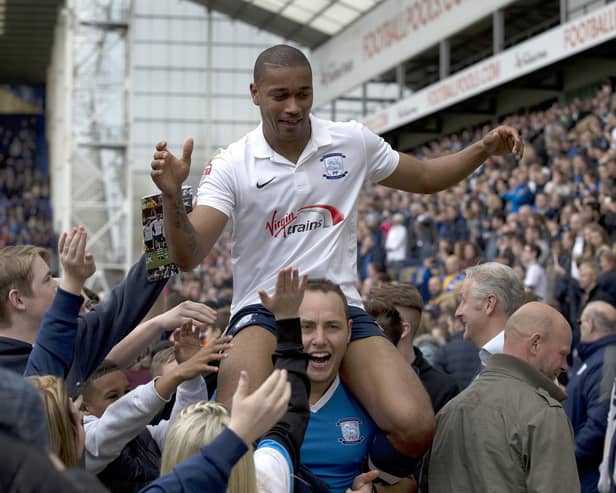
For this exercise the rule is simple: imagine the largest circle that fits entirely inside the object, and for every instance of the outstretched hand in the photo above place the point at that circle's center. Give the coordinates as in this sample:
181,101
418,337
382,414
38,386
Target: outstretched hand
253,415
503,140
198,313
76,263
168,171
288,294
199,362
187,343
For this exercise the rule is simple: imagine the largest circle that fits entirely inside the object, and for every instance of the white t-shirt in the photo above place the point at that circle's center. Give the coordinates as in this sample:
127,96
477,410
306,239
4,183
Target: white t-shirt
396,243
147,232
535,280
303,215
157,225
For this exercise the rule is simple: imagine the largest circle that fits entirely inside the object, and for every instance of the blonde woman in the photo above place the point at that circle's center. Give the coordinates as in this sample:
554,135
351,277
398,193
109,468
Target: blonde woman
198,425
66,435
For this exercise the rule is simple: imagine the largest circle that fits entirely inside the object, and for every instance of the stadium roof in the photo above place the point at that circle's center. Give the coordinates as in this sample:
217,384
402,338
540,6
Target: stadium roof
306,22
26,38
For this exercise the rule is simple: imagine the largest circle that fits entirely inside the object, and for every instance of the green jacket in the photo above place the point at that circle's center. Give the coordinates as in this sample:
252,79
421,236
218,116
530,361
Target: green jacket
506,433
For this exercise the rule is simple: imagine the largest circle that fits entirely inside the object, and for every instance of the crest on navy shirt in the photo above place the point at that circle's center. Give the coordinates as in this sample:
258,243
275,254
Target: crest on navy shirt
351,433
334,166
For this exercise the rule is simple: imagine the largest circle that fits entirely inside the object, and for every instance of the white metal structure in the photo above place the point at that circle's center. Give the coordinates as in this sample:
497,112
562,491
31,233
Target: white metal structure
88,115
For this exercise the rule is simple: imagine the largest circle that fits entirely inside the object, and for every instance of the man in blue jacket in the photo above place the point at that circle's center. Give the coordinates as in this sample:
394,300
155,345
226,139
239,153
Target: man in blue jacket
589,388
27,290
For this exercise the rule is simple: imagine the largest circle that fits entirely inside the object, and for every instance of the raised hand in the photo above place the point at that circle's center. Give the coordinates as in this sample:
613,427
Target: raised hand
197,364
200,362
76,263
197,313
503,140
168,171
187,343
253,415
288,294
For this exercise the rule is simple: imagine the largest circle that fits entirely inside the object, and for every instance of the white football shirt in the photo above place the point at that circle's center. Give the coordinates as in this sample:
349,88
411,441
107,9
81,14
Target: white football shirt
287,215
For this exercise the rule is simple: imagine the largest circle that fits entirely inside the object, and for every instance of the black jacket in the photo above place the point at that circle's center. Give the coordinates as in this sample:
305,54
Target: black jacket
137,465
460,359
26,469
440,387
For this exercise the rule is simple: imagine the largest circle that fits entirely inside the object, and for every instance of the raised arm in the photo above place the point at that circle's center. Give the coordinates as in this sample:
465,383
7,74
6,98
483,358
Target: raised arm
53,350
146,333
284,304
434,175
107,323
130,414
190,237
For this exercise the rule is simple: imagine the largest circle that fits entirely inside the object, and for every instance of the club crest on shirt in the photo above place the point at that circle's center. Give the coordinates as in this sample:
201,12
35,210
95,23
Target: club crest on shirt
208,168
334,166
351,433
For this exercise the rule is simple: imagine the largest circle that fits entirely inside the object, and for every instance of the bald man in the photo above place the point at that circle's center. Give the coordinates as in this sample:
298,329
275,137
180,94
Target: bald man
589,387
508,432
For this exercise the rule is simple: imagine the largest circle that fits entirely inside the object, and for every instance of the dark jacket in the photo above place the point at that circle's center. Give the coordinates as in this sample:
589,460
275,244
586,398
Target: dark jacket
460,359
98,330
14,354
52,353
440,387
598,294
137,465
24,468
607,283
587,407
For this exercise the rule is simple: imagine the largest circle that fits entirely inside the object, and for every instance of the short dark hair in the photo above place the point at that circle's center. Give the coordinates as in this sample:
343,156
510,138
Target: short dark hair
399,294
388,319
326,286
107,366
282,56
405,295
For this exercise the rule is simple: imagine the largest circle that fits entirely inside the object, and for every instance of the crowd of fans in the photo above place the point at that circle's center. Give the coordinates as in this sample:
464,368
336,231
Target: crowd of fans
25,210
548,220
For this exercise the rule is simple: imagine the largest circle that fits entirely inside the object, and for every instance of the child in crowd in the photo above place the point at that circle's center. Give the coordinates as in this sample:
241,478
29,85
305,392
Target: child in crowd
120,445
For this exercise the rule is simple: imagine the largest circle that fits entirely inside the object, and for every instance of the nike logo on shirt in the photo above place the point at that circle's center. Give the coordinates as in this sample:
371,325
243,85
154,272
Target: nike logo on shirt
261,185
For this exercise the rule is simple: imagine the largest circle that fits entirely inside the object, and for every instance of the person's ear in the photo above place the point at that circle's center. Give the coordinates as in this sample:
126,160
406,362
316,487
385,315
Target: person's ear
85,408
535,343
406,330
254,93
490,304
16,300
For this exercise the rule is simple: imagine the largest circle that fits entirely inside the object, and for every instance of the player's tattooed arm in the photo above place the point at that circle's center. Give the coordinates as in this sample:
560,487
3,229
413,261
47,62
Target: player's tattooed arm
185,247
